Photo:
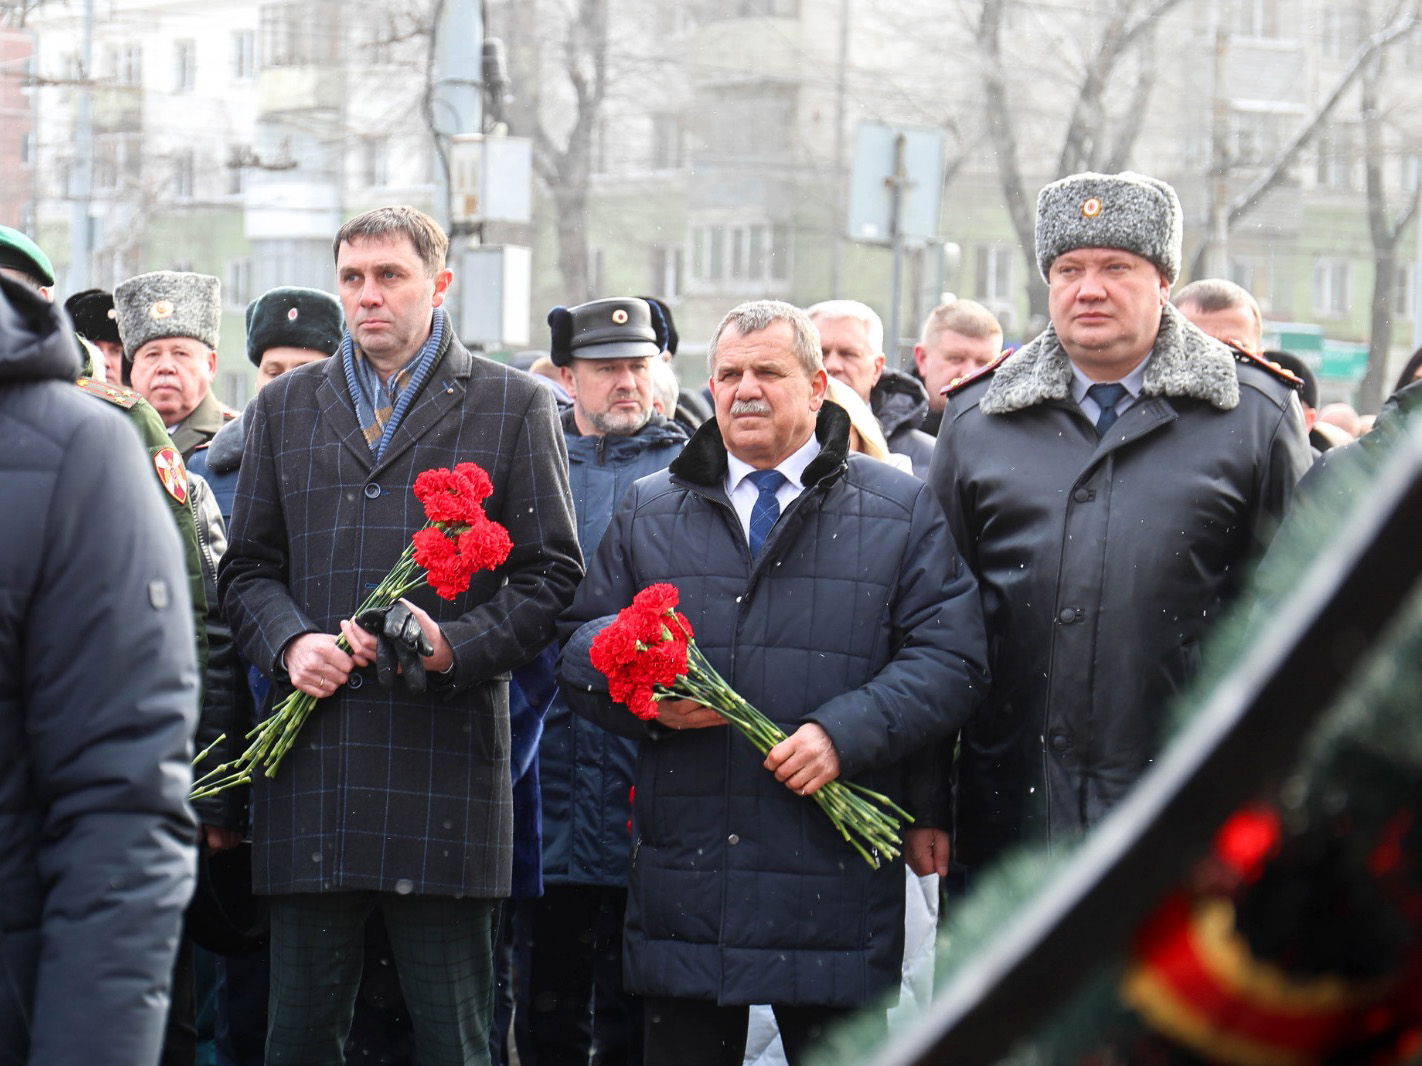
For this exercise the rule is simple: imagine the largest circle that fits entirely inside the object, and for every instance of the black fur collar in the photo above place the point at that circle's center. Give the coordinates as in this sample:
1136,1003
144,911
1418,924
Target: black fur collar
703,460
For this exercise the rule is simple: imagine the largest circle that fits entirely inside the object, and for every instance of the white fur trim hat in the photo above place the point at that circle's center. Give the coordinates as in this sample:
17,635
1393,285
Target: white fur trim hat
168,303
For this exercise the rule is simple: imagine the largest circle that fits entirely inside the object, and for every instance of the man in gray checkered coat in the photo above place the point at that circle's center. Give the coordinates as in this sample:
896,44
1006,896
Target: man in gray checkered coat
394,797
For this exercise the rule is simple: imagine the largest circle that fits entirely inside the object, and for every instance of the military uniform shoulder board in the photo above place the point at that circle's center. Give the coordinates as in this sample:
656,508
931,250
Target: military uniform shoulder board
1250,359
228,413
967,379
172,473
124,398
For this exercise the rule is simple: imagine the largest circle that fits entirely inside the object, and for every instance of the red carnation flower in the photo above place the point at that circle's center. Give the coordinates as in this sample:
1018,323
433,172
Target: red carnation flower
660,598
449,496
481,485
484,545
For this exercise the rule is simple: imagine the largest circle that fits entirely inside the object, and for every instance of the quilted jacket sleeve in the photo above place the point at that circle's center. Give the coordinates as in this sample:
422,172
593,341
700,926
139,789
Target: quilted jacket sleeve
937,675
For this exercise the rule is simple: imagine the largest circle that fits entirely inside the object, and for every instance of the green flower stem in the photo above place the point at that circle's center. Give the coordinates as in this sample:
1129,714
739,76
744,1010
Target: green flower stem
858,813
273,737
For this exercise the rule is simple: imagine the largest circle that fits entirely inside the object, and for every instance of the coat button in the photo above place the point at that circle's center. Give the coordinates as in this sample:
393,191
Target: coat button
1060,742
355,681
1068,615
372,490
733,839
1083,495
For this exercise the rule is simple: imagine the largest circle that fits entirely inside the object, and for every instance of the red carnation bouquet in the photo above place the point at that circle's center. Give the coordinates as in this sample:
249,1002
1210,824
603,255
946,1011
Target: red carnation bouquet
649,653
457,541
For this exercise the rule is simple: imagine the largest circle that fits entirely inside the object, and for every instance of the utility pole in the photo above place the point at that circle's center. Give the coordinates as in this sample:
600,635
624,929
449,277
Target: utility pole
456,92
897,183
841,180
82,174
1216,260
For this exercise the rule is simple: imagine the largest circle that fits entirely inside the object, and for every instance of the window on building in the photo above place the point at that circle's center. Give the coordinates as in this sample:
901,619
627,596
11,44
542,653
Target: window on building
375,161
665,276
739,9
27,148
184,65
236,172
1330,288
128,64
597,148
1259,18
299,34
668,144
594,271
237,285
1337,149
244,55
1341,32
745,256
996,263
671,18
183,173
1409,170
1404,300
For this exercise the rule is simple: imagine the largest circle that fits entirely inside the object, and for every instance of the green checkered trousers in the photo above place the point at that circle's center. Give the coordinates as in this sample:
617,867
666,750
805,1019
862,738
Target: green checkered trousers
443,950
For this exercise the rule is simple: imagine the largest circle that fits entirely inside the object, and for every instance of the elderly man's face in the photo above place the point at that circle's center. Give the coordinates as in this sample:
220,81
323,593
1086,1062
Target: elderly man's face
1233,325
949,356
173,374
1105,304
766,402
848,355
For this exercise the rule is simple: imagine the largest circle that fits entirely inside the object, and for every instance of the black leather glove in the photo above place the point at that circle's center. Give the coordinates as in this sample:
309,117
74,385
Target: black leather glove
399,641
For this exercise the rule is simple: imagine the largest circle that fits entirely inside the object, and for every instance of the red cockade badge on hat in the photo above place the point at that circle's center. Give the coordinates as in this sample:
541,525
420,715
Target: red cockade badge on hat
619,317
292,315
161,309
1091,208
172,473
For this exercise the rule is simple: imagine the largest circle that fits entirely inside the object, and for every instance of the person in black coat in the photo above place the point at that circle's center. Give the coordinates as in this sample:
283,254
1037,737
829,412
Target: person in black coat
833,600
98,702
393,797
1109,483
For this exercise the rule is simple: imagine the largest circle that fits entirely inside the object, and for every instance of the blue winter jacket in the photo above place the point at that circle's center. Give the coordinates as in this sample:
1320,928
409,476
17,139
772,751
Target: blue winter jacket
586,772
857,615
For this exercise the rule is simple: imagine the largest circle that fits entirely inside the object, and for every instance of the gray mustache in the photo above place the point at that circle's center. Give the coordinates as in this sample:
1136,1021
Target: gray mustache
750,407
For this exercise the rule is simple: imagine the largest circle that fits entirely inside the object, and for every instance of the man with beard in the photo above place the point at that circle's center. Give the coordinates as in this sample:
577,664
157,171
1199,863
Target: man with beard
606,351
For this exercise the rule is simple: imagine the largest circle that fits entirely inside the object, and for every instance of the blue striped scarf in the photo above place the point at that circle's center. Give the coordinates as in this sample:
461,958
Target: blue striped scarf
381,405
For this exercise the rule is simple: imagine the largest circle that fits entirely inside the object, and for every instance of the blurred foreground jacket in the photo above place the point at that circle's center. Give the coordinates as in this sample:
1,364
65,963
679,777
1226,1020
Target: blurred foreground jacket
98,701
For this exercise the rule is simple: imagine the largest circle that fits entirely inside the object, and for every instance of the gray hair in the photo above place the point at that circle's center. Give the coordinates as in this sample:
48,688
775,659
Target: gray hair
859,312
757,315
664,385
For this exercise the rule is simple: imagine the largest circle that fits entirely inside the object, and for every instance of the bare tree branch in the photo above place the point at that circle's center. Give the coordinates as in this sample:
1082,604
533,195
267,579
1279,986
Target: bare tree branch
1371,48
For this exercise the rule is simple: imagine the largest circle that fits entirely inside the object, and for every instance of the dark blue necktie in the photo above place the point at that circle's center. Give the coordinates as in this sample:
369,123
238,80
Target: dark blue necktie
1107,395
766,509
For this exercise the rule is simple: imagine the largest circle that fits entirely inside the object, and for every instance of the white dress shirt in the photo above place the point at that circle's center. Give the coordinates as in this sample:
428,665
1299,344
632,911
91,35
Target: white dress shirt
743,493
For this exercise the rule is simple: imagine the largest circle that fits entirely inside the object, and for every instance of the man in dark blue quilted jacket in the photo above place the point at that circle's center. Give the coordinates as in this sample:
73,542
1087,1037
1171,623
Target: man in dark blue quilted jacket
826,589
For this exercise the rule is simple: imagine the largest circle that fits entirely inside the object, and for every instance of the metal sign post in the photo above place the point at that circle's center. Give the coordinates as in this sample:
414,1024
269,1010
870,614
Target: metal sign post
894,199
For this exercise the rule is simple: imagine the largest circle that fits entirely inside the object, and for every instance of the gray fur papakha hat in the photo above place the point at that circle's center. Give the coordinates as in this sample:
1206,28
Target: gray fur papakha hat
168,303
1130,211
